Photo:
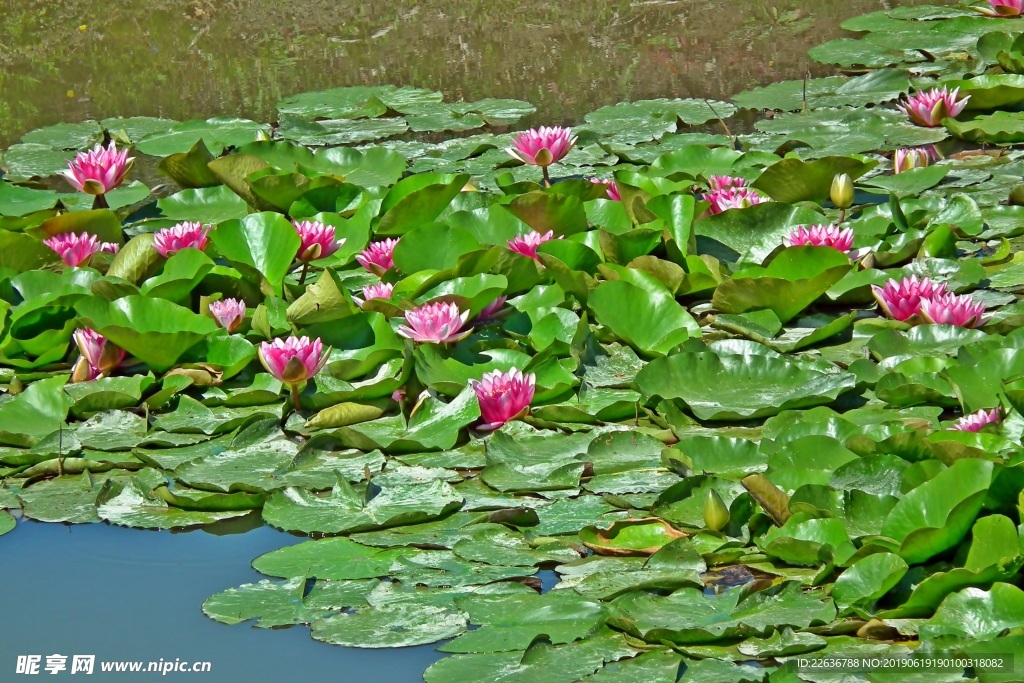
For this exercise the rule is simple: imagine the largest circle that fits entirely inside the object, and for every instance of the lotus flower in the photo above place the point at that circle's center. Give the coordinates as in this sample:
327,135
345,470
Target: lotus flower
381,290
912,157
77,250
733,198
901,299
170,241
435,323
949,309
503,396
317,240
99,170
1002,8
928,108
491,310
99,356
527,244
229,313
542,146
821,236
610,188
720,182
293,361
377,257
976,421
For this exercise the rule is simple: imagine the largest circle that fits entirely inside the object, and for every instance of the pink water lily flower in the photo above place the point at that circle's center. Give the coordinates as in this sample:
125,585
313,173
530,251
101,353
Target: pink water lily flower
229,313
435,323
912,157
99,170
821,236
542,146
1002,8
293,361
170,241
720,182
381,290
99,356
503,396
378,256
949,309
317,240
77,250
901,299
929,107
733,198
527,244
610,188
976,421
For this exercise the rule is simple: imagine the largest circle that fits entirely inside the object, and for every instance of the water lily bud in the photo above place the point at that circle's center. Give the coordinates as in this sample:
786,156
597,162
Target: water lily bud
16,386
262,136
1017,195
842,191
716,514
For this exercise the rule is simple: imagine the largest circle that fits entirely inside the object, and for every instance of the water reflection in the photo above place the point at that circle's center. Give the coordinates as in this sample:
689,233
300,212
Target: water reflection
68,60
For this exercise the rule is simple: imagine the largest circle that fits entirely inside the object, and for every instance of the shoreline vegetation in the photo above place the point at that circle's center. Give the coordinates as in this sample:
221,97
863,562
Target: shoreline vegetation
65,60
753,394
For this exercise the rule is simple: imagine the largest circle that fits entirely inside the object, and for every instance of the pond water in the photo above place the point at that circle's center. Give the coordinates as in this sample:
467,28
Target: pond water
128,595
69,60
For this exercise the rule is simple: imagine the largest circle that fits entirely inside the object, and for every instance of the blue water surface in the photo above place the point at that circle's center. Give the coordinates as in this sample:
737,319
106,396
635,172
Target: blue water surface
129,595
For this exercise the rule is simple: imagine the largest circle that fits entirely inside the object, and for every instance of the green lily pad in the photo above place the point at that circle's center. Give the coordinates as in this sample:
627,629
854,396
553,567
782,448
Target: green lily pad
632,537
937,514
37,412
1001,127
733,387
792,281
134,506
282,603
217,133
654,323
868,579
155,331
512,622
265,242
688,616
977,613
344,512
401,625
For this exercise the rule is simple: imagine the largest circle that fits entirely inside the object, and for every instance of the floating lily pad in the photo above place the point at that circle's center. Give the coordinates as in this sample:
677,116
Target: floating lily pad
732,387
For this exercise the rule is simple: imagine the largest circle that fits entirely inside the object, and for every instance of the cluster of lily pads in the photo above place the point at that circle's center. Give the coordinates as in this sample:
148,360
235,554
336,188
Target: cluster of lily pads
751,398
